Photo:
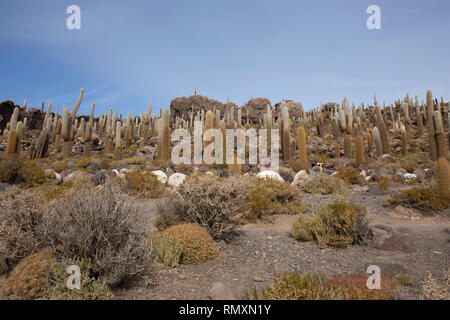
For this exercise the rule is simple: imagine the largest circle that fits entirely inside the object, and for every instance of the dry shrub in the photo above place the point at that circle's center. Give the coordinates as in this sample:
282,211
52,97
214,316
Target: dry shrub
143,183
105,228
43,275
338,224
384,182
316,286
55,192
434,290
350,175
21,214
9,170
269,197
211,202
325,184
160,163
418,198
192,242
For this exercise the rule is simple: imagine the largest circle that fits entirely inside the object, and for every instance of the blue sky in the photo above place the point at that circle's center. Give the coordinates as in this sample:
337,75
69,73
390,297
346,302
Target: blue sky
129,53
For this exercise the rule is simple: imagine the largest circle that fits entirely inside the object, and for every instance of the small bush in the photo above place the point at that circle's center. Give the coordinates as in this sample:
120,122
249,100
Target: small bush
60,166
58,191
160,163
336,224
144,183
21,216
9,170
91,288
195,243
350,175
269,197
316,286
84,162
32,174
105,228
211,202
131,161
384,182
418,198
29,277
43,275
325,184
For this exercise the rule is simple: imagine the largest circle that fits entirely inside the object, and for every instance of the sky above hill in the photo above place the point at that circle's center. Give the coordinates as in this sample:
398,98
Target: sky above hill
129,53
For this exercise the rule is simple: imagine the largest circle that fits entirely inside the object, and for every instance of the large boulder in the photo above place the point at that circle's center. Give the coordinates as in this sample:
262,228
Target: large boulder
270,175
35,118
6,111
176,179
257,108
183,106
295,108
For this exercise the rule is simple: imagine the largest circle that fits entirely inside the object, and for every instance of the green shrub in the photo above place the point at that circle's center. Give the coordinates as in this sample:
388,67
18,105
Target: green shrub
143,183
60,166
269,197
43,275
316,286
350,175
32,174
325,184
418,198
184,243
29,277
336,224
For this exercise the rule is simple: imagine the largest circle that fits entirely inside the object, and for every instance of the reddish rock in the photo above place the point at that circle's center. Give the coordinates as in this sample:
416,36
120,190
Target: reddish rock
385,238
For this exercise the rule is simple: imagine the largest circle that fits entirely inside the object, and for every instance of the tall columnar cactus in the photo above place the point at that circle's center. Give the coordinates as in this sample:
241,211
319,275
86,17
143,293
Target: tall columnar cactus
347,146
286,131
337,151
382,130
11,147
39,150
165,136
377,141
359,149
404,141
66,132
430,124
77,104
441,145
442,176
302,153
87,140
369,141
118,142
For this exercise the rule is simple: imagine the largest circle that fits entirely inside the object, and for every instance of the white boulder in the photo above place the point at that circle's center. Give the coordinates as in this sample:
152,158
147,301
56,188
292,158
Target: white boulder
270,174
176,179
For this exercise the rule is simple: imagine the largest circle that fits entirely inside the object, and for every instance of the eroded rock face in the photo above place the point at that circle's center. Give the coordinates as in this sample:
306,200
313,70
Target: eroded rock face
6,110
183,106
295,108
257,108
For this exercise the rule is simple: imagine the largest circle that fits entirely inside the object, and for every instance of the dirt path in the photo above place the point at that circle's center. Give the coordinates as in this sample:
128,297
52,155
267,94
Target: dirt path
260,250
